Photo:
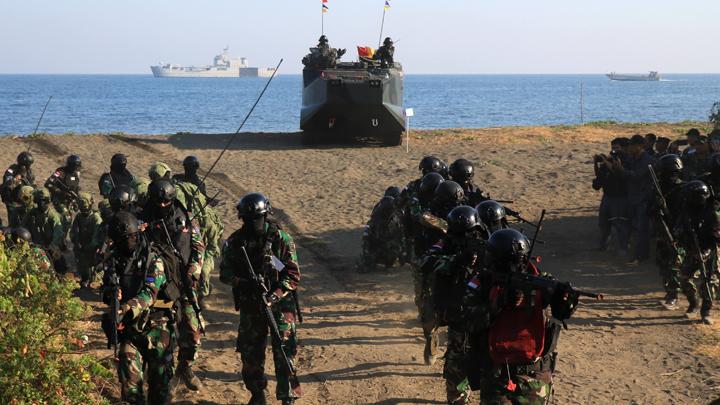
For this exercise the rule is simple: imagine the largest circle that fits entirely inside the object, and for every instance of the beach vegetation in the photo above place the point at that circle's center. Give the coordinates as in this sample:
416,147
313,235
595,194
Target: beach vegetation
715,115
43,354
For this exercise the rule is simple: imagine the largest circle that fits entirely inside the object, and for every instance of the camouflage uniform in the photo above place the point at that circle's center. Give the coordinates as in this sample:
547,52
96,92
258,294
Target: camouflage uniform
702,224
140,185
509,383
147,339
253,327
668,259
45,226
15,177
451,274
64,187
188,241
23,202
382,240
86,236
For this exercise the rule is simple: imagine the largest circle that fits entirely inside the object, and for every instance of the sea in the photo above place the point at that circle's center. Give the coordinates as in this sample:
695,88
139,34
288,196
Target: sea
142,104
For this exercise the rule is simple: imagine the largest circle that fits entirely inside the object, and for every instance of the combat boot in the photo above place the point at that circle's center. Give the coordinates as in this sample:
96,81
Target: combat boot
257,398
707,320
692,308
187,376
431,347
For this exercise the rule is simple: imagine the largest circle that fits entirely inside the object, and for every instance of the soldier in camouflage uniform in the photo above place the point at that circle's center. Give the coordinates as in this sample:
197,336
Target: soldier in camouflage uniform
502,318
17,175
428,230
45,225
140,185
23,202
86,235
669,258
697,229
452,259
170,229
462,172
381,243
273,257
117,176
64,186
146,291
19,235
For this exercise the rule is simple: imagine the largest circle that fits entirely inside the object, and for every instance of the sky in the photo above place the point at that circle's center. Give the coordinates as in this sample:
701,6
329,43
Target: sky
439,36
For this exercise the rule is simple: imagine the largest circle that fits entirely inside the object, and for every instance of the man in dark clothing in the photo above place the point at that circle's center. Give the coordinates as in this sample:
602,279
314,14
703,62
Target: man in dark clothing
650,140
191,164
462,172
634,169
386,53
612,212
661,146
17,175
118,175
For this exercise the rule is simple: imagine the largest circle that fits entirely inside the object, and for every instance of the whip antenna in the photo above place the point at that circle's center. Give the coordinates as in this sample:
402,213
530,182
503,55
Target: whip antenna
41,116
232,138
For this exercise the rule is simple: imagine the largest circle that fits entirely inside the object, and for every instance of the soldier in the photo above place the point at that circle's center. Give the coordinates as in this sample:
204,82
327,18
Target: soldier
462,172
64,186
123,198
698,233
492,216
385,54
380,243
191,164
612,213
272,254
118,175
322,56
448,195
19,235
86,235
513,336
137,275
452,260
140,185
45,225
159,170
23,202
668,258
17,175
179,240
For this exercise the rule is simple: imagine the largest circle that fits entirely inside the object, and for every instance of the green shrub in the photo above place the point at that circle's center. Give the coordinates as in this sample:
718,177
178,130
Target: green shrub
715,115
41,358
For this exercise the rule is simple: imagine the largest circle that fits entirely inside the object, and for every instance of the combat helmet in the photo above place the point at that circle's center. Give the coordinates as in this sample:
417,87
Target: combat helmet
696,193
507,247
191,163
159,170
428,184
85,202
118,162
122,225
669,165
73,163
25,159
431,164
253,205
448,193
462,219
122,197
461,170
392,191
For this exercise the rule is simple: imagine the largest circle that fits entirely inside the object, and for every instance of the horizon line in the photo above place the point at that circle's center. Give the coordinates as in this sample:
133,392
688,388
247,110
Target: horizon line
300,73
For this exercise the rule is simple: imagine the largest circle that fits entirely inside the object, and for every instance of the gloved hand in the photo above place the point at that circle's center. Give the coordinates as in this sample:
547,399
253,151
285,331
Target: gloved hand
563,302
271,298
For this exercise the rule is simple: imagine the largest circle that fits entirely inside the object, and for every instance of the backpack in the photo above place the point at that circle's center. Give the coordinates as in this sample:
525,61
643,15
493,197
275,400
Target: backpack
173,288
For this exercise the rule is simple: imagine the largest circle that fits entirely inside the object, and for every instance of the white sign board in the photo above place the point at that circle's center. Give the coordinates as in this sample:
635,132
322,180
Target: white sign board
409,112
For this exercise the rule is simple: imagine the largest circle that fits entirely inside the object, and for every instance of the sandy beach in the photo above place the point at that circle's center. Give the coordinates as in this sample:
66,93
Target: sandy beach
361,342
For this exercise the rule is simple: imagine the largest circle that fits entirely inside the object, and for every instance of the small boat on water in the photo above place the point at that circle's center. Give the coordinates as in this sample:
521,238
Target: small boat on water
651,77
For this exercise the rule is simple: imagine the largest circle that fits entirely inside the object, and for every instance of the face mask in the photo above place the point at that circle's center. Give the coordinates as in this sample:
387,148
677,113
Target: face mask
495,226
44,205
255,224
128,244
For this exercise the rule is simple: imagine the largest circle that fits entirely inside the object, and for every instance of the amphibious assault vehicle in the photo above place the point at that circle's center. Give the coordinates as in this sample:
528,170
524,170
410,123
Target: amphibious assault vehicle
353,100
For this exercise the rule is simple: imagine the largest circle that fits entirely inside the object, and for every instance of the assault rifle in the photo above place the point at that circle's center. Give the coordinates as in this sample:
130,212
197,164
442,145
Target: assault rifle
664,212
697,251
113,315
525,281
261,290
187,281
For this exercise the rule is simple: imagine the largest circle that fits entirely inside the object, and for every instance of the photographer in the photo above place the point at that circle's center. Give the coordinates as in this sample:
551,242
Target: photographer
613,205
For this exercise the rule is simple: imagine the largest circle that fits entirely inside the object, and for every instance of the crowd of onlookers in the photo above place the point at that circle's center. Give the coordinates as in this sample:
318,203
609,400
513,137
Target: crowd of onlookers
625,180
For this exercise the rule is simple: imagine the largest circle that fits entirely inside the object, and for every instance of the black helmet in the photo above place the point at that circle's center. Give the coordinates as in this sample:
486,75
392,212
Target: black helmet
253,205
449,192
73,162
392,191
507,246
462,170
696,192
118,161
122,197
670,164
323,39
431,164
384,207
122,225
161,191
388,41
20,233
462,219
191,163
490,211
25,159
428,184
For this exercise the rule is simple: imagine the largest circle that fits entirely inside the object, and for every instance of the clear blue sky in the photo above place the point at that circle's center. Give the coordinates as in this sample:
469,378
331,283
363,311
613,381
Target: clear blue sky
439,36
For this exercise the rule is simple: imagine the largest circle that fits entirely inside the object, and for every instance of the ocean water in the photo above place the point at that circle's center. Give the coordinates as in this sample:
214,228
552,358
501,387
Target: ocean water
142,104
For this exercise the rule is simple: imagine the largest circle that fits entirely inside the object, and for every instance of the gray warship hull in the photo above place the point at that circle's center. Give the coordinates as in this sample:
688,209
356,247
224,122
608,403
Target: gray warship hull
350,103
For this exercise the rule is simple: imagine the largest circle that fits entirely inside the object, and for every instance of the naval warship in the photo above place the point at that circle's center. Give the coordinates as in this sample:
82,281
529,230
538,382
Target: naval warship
651,77
223,66
353,100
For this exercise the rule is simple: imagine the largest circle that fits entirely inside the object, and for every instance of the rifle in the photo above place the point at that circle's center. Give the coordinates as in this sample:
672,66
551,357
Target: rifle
664,211
114,309
703,267
511,212
187,281
261,292
525,281
538,228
